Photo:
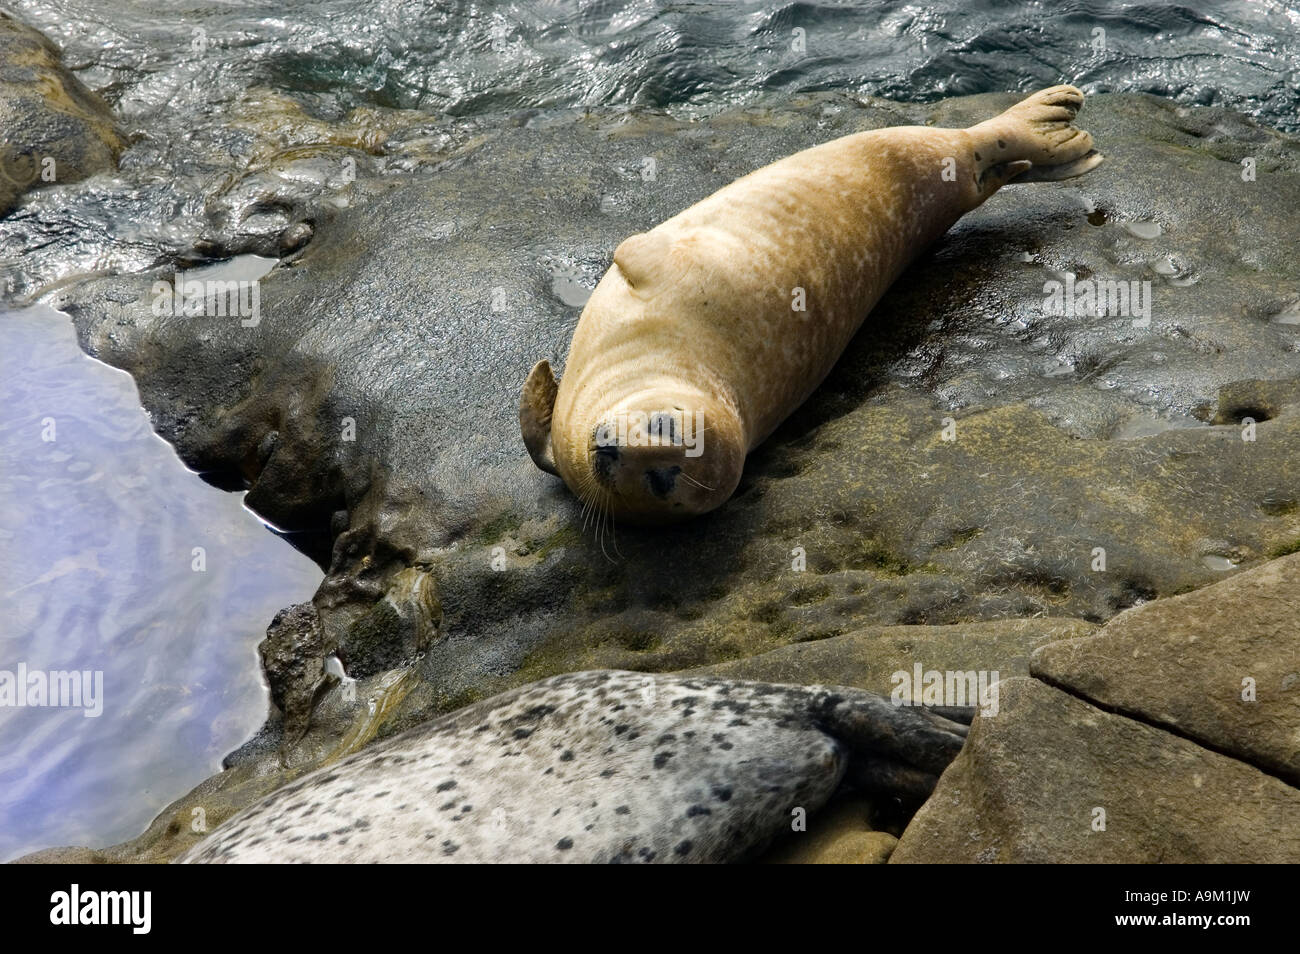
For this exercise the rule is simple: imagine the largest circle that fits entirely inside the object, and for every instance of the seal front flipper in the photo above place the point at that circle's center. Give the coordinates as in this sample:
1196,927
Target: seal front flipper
536,402
644,260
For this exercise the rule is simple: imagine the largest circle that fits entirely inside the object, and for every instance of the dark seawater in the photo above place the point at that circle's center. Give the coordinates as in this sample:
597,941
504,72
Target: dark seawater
99,521
463,57
209,91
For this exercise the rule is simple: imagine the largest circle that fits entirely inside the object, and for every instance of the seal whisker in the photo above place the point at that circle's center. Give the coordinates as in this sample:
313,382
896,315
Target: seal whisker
606,514
691,480
596,512
588,499
592,510
613,531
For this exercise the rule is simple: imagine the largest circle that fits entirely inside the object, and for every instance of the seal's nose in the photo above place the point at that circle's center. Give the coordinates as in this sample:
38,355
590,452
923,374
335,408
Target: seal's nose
662,480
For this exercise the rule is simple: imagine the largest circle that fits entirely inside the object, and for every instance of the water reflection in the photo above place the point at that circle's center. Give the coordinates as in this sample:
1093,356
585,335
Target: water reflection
115,558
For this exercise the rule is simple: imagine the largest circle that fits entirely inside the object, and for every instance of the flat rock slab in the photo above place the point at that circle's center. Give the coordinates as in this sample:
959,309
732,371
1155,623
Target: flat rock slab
1220,665
1032,783
870,657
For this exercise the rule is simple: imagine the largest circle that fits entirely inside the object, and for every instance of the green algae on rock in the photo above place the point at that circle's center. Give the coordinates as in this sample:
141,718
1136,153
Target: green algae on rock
869,658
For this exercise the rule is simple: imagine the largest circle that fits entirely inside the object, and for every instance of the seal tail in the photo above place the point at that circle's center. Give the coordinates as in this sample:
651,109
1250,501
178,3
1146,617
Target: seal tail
1035,140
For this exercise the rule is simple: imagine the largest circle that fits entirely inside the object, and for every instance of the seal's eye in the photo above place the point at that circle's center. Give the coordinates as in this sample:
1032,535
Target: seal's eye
605,435
663,428
662,480
604,461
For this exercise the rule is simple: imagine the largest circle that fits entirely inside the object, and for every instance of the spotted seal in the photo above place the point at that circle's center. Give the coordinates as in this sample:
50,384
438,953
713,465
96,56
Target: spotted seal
710,329
601,766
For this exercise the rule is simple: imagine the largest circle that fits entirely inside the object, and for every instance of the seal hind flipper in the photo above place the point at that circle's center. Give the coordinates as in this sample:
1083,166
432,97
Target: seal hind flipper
1040,131
871,725
895,751
892,779
1066,170
536,402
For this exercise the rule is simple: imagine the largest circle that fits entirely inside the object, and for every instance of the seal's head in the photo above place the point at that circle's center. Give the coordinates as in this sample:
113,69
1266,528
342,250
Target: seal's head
663,453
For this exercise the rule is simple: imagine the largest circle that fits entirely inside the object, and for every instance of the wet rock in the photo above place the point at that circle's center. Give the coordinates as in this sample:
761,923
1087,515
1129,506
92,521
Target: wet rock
392,632
858,512
295,237
293,659
1251,401
840,834
55,130
1052,779
1220,666
974,456
65,856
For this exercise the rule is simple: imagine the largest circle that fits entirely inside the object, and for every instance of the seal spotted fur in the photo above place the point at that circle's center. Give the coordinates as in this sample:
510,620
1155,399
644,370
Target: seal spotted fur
710,329
597,767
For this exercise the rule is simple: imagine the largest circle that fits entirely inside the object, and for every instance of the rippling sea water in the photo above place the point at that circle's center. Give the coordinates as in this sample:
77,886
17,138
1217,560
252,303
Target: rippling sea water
191,81
463,57
99,523
98,527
